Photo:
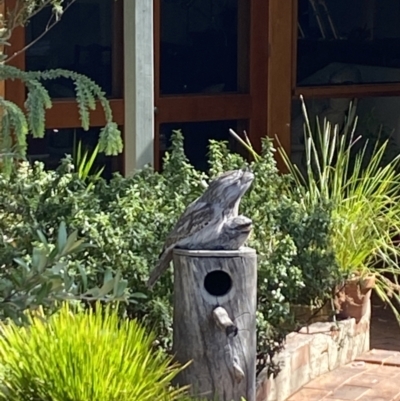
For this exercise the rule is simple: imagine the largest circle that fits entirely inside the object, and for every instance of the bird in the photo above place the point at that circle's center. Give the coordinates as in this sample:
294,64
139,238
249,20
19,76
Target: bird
234,233
203,220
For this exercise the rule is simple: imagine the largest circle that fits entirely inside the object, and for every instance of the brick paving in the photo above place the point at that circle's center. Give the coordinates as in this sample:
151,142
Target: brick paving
375,376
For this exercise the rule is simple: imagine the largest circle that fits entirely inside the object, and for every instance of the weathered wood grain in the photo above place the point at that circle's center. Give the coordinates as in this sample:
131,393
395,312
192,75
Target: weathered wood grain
215,328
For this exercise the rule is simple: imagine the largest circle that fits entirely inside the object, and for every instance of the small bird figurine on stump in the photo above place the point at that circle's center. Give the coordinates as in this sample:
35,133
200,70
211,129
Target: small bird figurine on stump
233,235
210,219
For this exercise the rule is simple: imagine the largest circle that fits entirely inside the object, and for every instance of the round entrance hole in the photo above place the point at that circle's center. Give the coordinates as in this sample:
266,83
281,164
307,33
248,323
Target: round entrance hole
218,283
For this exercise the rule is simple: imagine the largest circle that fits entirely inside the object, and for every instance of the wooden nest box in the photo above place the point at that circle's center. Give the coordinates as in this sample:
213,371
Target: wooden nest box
215,322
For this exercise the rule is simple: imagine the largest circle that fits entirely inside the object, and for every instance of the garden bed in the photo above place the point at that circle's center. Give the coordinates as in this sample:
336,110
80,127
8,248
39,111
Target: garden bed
315,350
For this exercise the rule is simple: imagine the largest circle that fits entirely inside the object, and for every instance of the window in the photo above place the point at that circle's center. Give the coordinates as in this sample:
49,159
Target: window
89,49
378,120
94,29
346,51
348,42
203,46
197,136
59,142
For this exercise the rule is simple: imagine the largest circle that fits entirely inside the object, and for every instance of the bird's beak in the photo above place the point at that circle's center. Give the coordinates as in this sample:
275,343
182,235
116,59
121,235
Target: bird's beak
246,228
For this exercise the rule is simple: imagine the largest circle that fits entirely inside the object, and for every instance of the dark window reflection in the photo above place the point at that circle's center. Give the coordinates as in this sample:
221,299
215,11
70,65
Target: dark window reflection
59,142
80,42
197,136
199,45
348,42
378,120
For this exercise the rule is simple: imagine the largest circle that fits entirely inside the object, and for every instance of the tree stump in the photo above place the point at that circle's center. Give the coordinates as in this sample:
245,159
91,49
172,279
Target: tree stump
215,322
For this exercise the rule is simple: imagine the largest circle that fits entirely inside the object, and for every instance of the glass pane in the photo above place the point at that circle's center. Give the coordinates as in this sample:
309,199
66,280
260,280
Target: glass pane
197,136
204,46
81,42
378,117
348,41
57,143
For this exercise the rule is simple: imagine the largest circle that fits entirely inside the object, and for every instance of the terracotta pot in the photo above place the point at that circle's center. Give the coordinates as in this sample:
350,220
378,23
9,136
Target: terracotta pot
352,299
308,315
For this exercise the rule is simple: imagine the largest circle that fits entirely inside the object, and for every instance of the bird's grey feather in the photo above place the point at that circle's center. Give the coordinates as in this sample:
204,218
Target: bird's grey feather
195,217
203,219
232,236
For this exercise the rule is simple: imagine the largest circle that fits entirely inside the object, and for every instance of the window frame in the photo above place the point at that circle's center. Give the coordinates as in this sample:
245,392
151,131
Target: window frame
64,112
333,91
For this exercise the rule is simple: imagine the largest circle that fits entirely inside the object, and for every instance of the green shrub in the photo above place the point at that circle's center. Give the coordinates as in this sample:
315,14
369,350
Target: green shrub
127,219
84,356
42,279
363,185
296,264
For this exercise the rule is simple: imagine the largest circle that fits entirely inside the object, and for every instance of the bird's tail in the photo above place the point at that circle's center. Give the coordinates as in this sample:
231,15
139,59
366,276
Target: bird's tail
160,268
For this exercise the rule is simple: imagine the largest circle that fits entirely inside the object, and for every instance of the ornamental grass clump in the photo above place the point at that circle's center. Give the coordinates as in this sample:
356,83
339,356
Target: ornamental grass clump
84,356
364,191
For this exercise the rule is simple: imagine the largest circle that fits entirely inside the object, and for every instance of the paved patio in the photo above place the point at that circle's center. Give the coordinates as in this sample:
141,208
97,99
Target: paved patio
375,376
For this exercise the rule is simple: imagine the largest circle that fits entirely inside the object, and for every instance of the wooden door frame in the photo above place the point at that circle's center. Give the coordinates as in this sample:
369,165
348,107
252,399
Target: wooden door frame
252,106
280,74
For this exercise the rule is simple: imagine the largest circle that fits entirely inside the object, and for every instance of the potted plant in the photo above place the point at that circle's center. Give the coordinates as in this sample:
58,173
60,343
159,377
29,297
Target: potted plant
311,255
363,189
353,296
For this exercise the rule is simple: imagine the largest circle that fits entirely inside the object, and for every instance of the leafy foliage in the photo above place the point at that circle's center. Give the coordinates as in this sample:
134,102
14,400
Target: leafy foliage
295,260
85,164
89,356
364,188
127,219
15,125
38,100
44,278
18,14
